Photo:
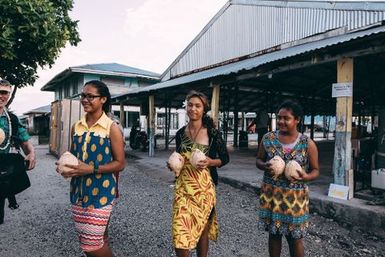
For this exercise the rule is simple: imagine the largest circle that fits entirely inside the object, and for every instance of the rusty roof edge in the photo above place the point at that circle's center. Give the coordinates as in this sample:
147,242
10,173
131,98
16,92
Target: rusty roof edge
317,4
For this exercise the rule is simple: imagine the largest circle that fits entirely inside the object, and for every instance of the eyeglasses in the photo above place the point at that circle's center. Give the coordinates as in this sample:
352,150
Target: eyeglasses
4,92
89,97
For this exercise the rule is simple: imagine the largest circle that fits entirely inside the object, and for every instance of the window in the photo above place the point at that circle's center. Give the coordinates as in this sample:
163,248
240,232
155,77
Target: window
161,121
60,90
67,89
132,118
74,83
174,121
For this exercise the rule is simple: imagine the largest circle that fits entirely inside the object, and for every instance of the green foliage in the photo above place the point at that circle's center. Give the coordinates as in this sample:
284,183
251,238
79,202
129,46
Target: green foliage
32,33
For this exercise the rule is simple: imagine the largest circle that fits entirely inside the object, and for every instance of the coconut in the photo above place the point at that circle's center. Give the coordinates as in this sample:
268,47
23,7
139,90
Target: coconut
176,162
277,166
2,136
67,158
197,156
293,170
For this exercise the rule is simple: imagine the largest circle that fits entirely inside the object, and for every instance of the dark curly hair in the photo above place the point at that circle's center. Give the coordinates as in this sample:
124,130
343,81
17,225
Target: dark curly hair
294,107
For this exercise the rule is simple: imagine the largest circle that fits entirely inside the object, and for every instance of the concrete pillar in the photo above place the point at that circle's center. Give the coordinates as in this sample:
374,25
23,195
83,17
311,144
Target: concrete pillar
236,120
215,103
312,126
380,158
122,115
235,140
343,172
168,124
151,124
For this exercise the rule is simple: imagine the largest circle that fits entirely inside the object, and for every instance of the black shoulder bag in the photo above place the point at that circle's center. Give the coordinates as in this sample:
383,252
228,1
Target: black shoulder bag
13,167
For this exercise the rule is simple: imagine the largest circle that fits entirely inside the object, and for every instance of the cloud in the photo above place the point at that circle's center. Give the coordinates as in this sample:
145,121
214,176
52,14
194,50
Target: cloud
158,31
147,34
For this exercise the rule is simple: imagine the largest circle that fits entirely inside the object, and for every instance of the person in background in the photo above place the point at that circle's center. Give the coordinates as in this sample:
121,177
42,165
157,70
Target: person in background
98,144
194,219
15,135
284,203
261,123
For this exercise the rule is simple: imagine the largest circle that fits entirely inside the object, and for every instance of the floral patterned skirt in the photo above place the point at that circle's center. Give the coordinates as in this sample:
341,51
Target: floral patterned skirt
193,208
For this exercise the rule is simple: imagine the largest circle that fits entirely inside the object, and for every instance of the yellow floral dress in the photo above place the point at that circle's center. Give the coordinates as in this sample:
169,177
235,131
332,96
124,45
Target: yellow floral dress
194,201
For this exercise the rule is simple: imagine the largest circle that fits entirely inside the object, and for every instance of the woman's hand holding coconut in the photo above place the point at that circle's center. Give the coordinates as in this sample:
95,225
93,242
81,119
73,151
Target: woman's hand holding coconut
69,166
175,163
294,171
202,164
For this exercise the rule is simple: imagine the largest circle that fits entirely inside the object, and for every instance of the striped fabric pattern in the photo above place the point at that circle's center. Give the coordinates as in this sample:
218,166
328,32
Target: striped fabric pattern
91,225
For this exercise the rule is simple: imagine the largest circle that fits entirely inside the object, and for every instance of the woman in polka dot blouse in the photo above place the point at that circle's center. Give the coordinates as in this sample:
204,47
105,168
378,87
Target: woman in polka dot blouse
98,144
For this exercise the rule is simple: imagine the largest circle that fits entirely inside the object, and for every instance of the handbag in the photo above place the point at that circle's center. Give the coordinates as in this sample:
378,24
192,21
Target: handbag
13,174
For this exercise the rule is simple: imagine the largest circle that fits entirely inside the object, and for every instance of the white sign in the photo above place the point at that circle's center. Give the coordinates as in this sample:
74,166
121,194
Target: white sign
338,191
342,89
378,176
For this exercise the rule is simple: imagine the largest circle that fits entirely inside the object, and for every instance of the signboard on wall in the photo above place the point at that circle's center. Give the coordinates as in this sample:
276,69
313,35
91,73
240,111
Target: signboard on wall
338,191
342,89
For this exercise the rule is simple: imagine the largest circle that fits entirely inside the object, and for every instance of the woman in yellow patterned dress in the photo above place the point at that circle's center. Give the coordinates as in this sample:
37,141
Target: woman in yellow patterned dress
194,219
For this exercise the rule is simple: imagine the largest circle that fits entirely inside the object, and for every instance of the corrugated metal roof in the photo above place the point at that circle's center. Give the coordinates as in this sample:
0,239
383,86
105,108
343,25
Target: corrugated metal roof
259,60
315,4
110,69
114,68
244,27
43,110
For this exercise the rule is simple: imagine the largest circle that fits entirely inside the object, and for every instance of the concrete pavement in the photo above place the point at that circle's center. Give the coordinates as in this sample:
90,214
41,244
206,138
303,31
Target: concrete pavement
242,173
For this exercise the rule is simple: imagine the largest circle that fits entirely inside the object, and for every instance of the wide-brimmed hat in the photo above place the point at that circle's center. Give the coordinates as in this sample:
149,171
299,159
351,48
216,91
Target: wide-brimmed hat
5,85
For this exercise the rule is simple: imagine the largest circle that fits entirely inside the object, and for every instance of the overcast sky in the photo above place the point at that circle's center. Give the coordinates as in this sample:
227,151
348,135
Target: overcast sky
145,34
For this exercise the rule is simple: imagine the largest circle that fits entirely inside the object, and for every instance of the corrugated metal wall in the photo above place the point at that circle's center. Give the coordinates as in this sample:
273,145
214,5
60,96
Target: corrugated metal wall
243,29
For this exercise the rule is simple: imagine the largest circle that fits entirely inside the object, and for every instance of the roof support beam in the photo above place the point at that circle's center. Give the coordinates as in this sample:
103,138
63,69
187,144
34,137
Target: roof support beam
311,60
122,121
151,125
215,102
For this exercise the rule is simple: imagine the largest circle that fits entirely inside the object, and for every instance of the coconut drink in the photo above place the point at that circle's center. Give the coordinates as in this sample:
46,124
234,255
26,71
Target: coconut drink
277,165
176,162
293,170
197,156
67,158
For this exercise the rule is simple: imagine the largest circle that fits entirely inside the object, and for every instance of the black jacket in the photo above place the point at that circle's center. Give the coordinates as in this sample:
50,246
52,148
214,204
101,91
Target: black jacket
217,149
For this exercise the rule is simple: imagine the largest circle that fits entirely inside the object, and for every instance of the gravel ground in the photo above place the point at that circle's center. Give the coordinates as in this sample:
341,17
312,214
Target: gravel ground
140,224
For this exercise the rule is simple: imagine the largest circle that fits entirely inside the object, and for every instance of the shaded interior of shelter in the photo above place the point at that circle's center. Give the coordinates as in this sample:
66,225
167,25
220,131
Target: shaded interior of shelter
268,85
307,78
326,156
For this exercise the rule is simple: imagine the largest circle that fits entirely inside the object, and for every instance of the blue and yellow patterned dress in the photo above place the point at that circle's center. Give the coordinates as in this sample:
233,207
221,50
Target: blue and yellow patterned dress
284,206
92,145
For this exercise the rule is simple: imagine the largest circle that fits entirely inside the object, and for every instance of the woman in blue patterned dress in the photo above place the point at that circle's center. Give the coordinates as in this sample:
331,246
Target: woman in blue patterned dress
284,203
98,144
